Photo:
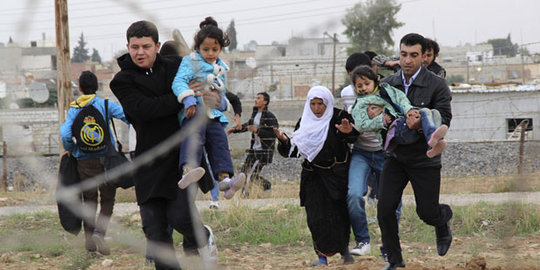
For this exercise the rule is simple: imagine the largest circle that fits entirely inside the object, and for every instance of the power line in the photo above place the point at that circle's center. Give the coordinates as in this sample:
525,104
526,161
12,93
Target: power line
190,16
240,21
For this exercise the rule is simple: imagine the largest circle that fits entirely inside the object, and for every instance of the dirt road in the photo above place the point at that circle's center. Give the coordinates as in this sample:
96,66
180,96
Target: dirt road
451,199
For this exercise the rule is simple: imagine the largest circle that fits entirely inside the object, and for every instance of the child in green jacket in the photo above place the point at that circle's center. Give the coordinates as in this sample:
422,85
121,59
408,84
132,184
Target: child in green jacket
381,107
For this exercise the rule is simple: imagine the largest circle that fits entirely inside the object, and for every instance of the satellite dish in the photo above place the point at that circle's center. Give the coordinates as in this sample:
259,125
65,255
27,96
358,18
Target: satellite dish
251,62
38,92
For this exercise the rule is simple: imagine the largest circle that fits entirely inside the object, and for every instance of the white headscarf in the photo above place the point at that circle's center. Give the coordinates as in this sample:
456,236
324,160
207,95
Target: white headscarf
310,137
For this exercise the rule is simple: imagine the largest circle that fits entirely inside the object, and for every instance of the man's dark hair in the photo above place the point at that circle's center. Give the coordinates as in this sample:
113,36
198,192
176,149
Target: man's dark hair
370,54
88,82
266,97
170,48
357,59
412,39
143,29
432,45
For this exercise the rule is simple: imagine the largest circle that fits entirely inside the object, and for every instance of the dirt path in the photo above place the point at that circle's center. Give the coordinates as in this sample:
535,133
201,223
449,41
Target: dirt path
122,209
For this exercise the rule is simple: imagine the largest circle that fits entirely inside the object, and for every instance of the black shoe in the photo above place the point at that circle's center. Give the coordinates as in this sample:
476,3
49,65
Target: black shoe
384,255
444,238
393,266
347,257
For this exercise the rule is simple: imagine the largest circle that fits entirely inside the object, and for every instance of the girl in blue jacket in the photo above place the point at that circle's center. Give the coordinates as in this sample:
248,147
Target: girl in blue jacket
205,65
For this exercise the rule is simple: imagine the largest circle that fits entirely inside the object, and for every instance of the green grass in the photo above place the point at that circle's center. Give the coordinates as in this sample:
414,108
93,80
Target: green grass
276,225
20,232
79,260
285,224
493,221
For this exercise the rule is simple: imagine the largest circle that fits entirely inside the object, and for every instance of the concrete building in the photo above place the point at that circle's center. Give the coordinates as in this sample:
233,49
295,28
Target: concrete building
487,114
478,64
286,70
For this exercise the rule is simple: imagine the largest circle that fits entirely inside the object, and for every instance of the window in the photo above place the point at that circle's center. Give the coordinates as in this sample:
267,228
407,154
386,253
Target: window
514,128
514,123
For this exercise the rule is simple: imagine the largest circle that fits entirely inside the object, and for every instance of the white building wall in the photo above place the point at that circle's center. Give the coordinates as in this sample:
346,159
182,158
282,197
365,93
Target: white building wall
36,62
482,116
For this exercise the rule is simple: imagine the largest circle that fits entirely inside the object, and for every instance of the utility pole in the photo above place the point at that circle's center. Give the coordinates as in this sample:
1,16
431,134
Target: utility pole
467,59
63,60
335,40
522,66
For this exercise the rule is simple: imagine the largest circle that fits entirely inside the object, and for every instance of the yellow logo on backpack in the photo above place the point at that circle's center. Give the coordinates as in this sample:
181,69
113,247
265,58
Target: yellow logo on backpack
90,130
91,133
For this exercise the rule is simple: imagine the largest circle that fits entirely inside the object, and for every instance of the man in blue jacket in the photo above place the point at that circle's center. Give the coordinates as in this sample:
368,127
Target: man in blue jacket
90,164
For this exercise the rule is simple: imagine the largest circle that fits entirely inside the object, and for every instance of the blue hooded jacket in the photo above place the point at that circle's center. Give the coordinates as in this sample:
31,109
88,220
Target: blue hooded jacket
114,109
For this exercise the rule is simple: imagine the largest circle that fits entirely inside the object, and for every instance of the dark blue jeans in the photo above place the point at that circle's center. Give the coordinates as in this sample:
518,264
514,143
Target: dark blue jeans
401,134
213,138
362,163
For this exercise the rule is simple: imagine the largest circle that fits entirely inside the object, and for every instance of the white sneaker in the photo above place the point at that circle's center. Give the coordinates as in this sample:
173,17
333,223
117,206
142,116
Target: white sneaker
214,204
209,252
361,249
191,177
225,184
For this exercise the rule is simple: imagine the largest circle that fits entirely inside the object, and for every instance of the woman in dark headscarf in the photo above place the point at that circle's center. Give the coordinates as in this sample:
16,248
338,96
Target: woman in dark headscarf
321,137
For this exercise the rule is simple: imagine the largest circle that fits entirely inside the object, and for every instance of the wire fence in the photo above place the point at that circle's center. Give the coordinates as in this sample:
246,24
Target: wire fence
290,77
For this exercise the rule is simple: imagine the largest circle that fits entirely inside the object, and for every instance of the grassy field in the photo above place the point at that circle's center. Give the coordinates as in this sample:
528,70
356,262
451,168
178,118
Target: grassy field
277,236
505,236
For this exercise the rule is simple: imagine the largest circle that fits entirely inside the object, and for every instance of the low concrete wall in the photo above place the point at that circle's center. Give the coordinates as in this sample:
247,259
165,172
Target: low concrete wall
459,159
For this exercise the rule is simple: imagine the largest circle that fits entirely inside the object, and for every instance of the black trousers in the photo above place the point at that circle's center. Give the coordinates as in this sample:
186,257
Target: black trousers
157,214
425,183
262,157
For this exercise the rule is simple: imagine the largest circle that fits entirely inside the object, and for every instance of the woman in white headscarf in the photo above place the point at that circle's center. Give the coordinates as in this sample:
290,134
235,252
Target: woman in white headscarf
321,137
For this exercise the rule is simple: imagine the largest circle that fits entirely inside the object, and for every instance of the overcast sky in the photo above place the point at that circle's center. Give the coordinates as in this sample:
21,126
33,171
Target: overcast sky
104,22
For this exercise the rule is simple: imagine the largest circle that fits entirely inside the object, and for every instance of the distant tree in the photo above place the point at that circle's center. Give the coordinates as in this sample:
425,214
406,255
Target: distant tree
119,53
231,31
80,53
250,46
369,25
95,56
53,97
504,46
524,51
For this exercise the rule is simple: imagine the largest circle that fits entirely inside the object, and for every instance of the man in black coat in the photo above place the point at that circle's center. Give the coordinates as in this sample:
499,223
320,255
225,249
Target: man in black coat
143,87
409,162
261,124
432,51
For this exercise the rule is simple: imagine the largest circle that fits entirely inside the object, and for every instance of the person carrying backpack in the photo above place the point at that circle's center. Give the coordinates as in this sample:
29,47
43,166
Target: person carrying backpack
86,135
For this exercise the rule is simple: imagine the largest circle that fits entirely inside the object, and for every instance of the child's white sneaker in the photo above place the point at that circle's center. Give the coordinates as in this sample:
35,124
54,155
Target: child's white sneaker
214,205
235,184
225,184
190,177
